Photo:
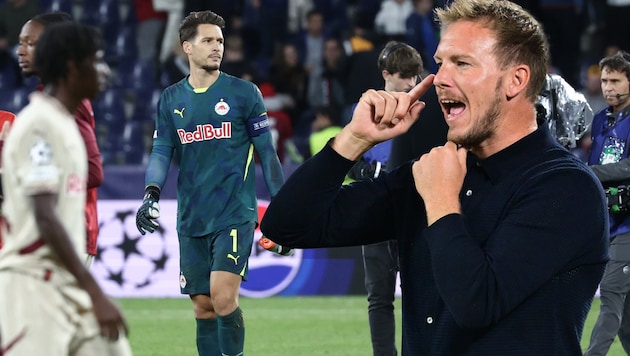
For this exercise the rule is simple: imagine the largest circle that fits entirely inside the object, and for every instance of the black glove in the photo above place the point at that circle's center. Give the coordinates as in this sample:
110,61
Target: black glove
149,211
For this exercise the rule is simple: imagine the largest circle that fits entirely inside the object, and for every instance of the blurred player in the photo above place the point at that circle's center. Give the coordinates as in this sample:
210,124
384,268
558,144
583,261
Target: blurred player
84,115
6,119
46,292
211,122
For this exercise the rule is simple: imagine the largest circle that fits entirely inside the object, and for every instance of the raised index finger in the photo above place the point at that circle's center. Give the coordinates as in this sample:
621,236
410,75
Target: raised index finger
416,92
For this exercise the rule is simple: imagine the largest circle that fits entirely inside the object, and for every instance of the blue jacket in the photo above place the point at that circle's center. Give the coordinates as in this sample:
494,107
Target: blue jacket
611,138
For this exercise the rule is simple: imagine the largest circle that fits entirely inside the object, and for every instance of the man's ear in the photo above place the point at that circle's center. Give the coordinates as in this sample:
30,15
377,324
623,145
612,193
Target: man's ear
187,47
385,74
518,81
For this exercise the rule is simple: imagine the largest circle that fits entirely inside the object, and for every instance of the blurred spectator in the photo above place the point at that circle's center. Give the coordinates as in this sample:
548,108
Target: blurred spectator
234,61
361,37
13,14
367,10
592,88
230,10
362,72
150,30
335,14
296,17
174,10
617,30
176,66
281,128
325,126
264,26
390,20
593,40
289,76
562,21
327,86
310,42
422,33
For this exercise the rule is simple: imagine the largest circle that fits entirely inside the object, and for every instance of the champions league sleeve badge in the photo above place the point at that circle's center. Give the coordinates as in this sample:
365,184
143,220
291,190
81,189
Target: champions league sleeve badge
221,108
41,153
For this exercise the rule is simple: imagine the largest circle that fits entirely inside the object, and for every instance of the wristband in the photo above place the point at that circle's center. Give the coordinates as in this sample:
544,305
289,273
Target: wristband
152,192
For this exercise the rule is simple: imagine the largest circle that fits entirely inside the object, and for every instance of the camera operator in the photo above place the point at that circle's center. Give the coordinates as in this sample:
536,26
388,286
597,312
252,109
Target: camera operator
609,160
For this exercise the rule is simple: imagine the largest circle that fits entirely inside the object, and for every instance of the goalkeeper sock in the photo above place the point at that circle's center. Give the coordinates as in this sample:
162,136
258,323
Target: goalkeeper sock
232,333
207,337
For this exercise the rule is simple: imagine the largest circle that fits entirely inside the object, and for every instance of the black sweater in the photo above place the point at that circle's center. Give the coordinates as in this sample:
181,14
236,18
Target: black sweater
514,274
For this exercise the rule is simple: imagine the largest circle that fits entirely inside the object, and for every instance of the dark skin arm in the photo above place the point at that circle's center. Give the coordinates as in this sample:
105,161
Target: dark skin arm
108,315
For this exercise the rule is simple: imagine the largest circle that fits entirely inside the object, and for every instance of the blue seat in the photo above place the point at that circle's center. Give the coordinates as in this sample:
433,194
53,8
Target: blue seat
109,112
143,79
56,5
122,47
9,77
16,100
145,109
133,143
103,14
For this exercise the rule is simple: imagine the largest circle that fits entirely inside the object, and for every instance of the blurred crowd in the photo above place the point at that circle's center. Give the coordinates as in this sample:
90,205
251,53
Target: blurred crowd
306,56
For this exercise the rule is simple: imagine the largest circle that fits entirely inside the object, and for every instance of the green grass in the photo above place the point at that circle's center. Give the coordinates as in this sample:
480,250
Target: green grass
310,326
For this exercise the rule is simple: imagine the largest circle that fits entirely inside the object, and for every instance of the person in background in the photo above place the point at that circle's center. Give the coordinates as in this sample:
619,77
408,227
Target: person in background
501,231
609,161
421,32
390,19
326,125
50,304
592,88
30,34
211,123
400,66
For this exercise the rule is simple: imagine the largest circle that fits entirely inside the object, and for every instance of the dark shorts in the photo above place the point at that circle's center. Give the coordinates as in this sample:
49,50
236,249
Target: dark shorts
226,250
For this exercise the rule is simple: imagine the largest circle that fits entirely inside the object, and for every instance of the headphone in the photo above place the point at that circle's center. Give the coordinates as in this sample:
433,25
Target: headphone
383,58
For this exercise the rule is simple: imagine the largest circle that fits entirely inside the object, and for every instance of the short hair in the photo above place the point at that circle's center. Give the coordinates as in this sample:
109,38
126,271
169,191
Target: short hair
401,58
48,18
520,38
619,62
188,27
62,43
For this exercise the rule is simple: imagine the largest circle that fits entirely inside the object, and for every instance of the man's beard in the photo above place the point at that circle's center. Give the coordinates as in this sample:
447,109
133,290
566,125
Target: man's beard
210,68
483,129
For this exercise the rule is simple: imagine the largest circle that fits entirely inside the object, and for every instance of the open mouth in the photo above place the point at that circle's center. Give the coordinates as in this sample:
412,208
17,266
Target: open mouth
452,108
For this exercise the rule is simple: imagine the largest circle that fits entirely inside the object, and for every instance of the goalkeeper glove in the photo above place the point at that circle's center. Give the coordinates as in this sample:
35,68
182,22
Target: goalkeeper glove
149,211
274,247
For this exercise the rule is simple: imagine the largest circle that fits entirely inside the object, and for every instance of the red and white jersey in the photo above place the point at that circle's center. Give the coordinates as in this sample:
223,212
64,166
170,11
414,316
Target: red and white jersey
43,153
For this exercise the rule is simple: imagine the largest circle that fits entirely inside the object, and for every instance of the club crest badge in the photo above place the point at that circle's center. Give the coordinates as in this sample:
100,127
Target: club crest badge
221,108
182,280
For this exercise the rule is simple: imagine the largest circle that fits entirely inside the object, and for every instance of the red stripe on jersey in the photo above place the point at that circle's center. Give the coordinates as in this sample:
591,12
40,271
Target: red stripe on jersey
32,247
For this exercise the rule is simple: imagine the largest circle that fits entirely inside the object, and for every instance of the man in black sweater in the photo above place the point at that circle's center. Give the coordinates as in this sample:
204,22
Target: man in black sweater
503,234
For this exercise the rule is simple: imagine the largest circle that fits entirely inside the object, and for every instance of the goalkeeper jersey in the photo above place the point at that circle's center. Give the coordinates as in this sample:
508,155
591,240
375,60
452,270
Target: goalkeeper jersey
211,133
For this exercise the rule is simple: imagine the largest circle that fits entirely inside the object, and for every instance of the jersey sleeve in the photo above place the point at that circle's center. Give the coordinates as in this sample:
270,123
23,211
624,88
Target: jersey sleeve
38,162
164,130
257,104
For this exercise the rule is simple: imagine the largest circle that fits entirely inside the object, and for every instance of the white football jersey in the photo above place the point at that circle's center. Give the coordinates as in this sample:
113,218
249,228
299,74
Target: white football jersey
43,153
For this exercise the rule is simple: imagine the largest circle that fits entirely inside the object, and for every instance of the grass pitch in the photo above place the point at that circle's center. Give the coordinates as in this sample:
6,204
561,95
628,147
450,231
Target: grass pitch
309,326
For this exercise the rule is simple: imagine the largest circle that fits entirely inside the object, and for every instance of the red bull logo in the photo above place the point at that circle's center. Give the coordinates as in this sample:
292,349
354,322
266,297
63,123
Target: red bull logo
205,132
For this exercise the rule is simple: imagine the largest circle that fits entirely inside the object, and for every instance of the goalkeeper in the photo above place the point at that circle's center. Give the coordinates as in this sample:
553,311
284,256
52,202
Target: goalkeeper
211,123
